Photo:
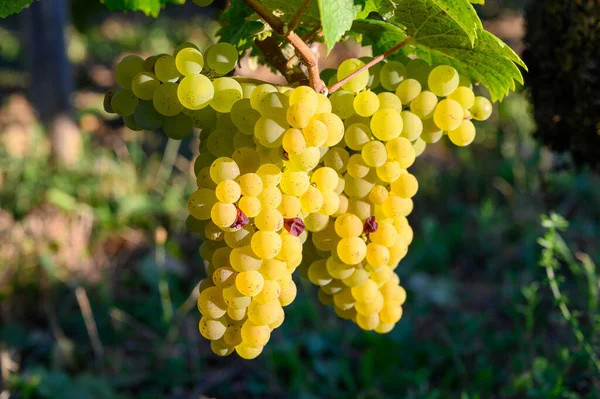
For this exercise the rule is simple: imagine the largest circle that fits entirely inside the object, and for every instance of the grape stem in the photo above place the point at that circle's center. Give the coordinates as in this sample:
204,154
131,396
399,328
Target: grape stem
309,58
275,57
369,64
309,39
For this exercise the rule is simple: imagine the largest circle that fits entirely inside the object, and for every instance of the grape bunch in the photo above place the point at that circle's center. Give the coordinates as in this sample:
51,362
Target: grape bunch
288,178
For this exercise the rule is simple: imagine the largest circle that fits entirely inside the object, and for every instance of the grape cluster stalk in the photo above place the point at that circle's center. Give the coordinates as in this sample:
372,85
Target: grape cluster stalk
291,179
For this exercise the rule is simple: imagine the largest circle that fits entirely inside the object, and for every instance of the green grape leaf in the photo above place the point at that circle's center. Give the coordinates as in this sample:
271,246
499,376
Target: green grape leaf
477,1
149,7
239,25
8,7
286,9
336,19
489,61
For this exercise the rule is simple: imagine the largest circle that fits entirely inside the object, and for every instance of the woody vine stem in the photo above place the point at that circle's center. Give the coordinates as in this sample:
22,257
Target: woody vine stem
309,58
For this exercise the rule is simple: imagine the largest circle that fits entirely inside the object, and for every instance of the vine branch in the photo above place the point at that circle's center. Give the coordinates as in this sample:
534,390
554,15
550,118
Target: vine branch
308,57
273,54
369,64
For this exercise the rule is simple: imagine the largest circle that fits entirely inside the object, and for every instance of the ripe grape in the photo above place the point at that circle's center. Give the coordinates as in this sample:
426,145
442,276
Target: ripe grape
342,104
144,84
463,135
189,61
407,90
481,109
165,69
222,58
177,127
392,74
464,96
366,103
124,102
424,104
348,67
127,69
448,115
194,91
374,153
386,124
227,92
357,135
389,100
412,126
443,80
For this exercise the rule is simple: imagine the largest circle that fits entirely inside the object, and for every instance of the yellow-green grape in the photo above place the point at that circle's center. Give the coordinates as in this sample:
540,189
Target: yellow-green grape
389,100
377,255
334,125
344,299
366,103
325,179
264,314
418,69
462,135
244,259
202,3
396,206
386,124
342,104
373,72
389,171
249,283
293,141
385,235
224,277
246,158
266,244
336,159
220,348
312,200
127,69
401,150
189,61
250,206
361,208
448,115
443,80
351,250
221,58
407,90
235,299
348,225
294,183
124,102
212,231
269,220
224,169
178,127
165,69
412,126
211,329
201,202
324,298
244,117
381,274
406,186
151,61
390,314
248,88
288,293
220,143
431,132
306,161
316,221
315,133
211,303
374,153
318,274
378,195
357,278
339,269
356,119
464,96
250,184
367,323
223,214
424,104
331,203
481,109
239,237
357,135
248,352
299,114
228,191
205,118
291,249
194,91
326,239
144,84
371,307
227,91
270,175
348,67
357,166
259,93
290,206
324,105
270,198
304,94
392,74
359,187
273,105
255,335
339,189
464,81
269,132
273,269
392,292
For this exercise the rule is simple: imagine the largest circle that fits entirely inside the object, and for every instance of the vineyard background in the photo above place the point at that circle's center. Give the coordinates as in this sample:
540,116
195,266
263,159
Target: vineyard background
98,274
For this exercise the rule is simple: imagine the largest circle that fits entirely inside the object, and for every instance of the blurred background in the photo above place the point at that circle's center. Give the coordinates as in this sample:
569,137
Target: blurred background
98,274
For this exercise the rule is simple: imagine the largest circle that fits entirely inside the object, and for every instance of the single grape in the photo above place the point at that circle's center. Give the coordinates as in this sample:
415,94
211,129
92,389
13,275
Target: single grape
293,141
386,124
227,92
127,69
389,100
481,109
443,80
189,61
374,153
351,250
222,58
424,104
337,159
166,101
407,90
342,103
124,102
224,169
419,69
129,121
244,117
464,96
463,135
178,127
357,135
366,103
269,132
392,74
448,115
144,85
348,67
165,69
412,126
194,91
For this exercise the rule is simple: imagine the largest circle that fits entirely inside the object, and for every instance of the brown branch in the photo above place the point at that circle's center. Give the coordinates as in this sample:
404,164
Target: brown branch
311,33
309,58
309,40
277,60
368,65
296,18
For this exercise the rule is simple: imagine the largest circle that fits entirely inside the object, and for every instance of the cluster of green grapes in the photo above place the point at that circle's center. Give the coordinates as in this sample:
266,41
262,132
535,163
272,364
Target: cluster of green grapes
170,92
288,178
